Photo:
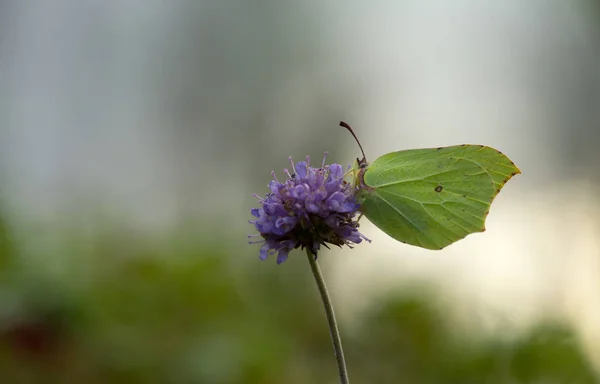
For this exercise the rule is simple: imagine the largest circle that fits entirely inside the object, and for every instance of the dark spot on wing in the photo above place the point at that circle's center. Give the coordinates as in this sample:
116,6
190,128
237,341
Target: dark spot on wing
438,188
465,196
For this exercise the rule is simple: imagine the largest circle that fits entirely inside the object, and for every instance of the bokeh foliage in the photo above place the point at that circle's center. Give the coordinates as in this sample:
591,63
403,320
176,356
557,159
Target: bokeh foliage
108,306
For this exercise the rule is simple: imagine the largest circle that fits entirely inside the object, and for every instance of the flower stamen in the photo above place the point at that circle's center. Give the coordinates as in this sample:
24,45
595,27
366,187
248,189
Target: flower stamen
324,158
292,162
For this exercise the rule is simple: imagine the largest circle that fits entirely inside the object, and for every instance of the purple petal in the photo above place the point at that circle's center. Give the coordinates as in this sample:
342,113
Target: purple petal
298,208
275,186
275,209
264,226
300,191
282,256
312,207
315,178
264,252
354,237
344,231
333,186
286,223
335,201
336,172
319,195
301,168
348,206
319,179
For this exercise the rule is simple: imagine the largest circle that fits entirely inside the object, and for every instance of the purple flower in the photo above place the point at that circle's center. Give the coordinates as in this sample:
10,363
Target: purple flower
313,206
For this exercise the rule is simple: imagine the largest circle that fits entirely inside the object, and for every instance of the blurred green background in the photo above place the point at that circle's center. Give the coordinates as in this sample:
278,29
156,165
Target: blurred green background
133,134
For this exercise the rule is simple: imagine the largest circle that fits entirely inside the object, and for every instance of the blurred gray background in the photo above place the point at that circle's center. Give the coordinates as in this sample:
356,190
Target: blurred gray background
150,112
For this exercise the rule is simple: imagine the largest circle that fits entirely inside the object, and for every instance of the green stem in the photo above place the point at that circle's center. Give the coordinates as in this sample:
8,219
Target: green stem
333,328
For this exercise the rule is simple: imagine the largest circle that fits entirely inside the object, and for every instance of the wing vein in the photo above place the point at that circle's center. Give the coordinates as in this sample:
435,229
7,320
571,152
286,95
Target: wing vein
401,214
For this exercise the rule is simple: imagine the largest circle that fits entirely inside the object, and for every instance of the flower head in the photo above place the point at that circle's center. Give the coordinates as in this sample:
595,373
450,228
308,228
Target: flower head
313,206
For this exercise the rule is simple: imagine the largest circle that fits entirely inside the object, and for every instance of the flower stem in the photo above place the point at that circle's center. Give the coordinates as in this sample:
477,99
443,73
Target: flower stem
333,328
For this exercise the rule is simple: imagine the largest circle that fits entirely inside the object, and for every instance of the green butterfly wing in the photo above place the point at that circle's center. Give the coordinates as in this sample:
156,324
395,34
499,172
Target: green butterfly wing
434,197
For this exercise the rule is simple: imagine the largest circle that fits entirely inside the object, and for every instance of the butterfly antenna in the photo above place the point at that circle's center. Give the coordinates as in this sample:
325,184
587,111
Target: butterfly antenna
349,128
